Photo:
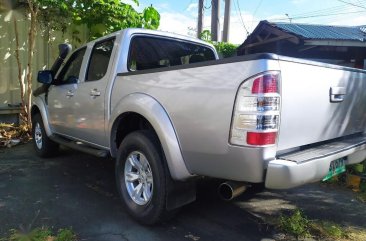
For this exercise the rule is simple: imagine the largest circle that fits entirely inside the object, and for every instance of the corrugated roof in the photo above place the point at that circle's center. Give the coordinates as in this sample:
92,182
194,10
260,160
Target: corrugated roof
309,31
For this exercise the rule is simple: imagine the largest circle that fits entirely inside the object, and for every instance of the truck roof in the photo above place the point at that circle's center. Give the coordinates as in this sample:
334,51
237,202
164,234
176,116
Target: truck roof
132,31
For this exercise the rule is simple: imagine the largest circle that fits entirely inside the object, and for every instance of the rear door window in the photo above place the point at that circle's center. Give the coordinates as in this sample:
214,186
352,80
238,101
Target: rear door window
99,60
151,52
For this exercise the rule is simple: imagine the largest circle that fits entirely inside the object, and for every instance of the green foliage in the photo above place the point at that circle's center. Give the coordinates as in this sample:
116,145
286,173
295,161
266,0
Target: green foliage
226,49
206,35
106,16
300,226
53,14
100,16
296,224
65,235
151,18
329,230
223,48
333,230
38,234
41,234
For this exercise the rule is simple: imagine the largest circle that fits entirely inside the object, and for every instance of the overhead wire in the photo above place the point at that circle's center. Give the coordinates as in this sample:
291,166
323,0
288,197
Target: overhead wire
241,17
319,15
204,5
331,10
325,12
335,10
255,12
352,4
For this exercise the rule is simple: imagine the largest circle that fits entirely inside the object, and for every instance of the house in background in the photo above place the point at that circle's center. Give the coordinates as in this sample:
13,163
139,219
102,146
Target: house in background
342,45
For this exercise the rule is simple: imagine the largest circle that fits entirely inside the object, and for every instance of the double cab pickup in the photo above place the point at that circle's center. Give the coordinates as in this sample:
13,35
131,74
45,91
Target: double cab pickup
170,112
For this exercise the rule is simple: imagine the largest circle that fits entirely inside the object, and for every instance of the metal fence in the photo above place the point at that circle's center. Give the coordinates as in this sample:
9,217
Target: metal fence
46,51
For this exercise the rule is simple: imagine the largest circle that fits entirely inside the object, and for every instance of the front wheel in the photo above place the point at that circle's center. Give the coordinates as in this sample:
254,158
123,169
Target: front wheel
141,177
43,145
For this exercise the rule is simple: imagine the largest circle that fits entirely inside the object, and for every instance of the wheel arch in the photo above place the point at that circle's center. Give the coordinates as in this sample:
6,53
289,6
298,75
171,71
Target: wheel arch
38,107
140,111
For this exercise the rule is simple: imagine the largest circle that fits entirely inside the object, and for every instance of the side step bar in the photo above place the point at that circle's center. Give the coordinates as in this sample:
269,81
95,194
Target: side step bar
80,147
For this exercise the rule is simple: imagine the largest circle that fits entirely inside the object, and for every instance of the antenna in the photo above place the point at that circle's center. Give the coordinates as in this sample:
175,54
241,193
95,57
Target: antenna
288,16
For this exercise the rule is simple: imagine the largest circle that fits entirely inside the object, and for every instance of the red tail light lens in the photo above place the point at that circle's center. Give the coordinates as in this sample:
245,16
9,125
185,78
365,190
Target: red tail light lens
256,116
265,84
260,139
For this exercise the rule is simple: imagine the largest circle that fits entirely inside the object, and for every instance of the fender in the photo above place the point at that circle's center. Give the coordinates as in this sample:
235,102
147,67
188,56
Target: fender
41,105
154,112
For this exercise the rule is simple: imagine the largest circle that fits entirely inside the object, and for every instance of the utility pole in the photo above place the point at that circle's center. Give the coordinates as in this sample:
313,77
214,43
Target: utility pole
225,35
200,18
215,22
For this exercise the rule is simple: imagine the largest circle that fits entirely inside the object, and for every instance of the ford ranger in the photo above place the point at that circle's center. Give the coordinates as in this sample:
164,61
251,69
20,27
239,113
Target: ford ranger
169,112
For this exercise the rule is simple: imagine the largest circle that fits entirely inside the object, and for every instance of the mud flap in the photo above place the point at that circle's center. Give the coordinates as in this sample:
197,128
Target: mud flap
180,193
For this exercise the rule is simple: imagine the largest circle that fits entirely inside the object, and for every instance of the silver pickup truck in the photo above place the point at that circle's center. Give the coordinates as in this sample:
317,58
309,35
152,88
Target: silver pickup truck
170,112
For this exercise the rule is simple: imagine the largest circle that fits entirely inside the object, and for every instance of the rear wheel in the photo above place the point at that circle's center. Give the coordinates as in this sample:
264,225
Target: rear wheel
43,145
141,175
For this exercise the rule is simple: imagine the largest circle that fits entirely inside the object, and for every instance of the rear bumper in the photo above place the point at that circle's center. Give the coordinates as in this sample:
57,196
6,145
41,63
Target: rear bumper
312,165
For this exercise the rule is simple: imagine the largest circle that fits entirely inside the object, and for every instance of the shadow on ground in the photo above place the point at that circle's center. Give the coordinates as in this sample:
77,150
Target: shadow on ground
78,190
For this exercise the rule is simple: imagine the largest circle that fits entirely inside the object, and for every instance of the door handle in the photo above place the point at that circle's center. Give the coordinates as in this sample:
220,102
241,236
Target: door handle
337,94
70,94
94,92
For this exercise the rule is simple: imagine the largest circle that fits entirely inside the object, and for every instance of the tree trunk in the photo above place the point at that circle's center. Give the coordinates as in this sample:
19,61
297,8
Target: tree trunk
31,44
23,114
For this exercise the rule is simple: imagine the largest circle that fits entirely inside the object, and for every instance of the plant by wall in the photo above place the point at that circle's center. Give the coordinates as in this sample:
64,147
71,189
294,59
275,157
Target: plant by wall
223,48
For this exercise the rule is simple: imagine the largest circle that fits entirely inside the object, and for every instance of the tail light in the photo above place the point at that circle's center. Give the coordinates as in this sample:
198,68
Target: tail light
256,114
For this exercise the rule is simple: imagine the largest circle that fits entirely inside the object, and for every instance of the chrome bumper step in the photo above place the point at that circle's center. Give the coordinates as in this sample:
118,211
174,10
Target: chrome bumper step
321,151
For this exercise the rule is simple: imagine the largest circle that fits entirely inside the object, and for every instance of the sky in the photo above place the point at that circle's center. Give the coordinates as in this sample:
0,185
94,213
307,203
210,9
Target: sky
180,16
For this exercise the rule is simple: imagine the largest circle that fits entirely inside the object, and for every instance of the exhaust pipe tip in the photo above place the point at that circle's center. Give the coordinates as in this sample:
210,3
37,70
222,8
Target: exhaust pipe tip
230,190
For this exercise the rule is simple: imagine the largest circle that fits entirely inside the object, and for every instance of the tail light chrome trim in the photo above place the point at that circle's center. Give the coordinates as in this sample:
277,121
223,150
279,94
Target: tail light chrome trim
256,115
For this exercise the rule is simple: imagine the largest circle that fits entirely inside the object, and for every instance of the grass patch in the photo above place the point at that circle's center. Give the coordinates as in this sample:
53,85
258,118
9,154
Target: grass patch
298,225
295,224
326,229
65,235
41,234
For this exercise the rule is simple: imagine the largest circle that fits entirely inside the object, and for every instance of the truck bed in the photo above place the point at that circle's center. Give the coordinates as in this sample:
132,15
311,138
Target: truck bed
199,99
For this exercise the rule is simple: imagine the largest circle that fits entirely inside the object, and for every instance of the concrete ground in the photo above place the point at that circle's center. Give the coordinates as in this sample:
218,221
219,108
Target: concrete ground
77,190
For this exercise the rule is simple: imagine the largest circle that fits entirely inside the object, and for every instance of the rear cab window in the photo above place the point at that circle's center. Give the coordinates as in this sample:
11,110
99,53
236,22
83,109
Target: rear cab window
154,52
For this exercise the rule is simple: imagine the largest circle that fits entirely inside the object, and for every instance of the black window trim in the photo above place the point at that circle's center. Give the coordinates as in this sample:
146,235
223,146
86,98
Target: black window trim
63,67
91,54
164,38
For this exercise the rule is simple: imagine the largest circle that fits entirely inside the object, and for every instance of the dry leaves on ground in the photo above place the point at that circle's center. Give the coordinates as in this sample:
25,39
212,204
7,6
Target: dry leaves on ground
11,134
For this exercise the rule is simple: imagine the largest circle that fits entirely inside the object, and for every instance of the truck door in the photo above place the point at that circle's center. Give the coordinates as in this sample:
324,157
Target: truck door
60,95
90,98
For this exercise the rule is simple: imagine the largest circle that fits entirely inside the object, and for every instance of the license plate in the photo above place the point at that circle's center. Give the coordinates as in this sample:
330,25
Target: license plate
336,167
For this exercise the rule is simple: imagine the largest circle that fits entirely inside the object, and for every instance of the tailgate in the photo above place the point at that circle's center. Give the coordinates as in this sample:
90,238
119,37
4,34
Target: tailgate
320,102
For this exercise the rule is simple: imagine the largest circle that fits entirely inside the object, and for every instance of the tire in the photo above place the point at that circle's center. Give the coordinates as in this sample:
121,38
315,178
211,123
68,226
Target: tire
141,177
43,145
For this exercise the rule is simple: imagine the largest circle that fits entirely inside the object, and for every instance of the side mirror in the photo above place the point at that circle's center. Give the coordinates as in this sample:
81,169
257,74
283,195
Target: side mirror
45,76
